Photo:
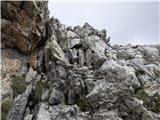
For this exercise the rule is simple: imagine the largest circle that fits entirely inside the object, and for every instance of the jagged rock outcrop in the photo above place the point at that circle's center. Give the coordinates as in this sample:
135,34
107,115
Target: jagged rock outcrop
23,24
75,73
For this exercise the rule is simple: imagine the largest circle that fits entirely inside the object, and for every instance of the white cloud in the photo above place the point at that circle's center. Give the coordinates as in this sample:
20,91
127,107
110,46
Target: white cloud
124,21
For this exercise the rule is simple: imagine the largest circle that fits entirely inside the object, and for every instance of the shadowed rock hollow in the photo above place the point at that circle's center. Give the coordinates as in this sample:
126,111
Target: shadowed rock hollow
53,72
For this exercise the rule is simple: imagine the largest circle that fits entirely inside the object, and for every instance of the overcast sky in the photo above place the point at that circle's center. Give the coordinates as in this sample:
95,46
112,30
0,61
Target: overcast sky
126,22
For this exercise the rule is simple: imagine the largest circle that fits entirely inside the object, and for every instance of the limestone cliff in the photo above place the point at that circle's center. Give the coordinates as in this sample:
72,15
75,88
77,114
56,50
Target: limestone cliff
23,24
53,72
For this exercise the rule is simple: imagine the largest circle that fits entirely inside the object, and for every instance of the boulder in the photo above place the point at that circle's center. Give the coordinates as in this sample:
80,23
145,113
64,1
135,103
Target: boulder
98,46
149,53
122,74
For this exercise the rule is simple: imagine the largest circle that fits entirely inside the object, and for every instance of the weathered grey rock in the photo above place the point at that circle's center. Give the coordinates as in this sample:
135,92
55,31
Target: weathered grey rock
103,95
106,115
54,52
81,57
45,95
149,53
29,117
31,75
71,34
125,54
6,91
60,112
13,63
90,83
19,104
81,70
139,110
56,97
152,68
76,90
40,61
102,34
111,54
43,113
150,86
98,46
61,33
123,74
62,73
74,42
88,57
88,29
98,59
67,112
74,57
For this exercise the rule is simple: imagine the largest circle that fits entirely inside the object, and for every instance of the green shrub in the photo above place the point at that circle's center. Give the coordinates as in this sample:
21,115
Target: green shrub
40,86
18,85
81,103
5,107
152,103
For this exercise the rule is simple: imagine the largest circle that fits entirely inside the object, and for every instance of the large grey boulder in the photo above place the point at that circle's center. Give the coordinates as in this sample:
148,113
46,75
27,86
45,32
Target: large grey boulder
19,104
149,53
103,95
121,73
98,47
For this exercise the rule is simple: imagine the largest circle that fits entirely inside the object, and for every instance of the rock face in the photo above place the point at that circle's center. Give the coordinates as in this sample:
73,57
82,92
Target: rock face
23,24
72,73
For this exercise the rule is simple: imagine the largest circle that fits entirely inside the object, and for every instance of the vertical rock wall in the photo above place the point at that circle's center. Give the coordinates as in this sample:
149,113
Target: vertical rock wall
23,24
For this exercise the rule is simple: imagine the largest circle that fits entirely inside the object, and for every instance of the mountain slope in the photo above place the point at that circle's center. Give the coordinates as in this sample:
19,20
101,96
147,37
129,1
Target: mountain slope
53,72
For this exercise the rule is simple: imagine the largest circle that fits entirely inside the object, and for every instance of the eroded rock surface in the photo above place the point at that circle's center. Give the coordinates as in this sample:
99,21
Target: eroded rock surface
72,73
23,24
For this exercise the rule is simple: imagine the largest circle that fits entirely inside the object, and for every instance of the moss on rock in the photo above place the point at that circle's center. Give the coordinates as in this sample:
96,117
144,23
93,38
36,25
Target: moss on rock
152,103
5,107
18,85
81,103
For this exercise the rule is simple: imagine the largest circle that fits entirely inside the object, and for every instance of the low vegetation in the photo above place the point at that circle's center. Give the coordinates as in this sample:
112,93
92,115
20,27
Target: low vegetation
157,73
81,104
152,103
5,107
40,87
18,85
